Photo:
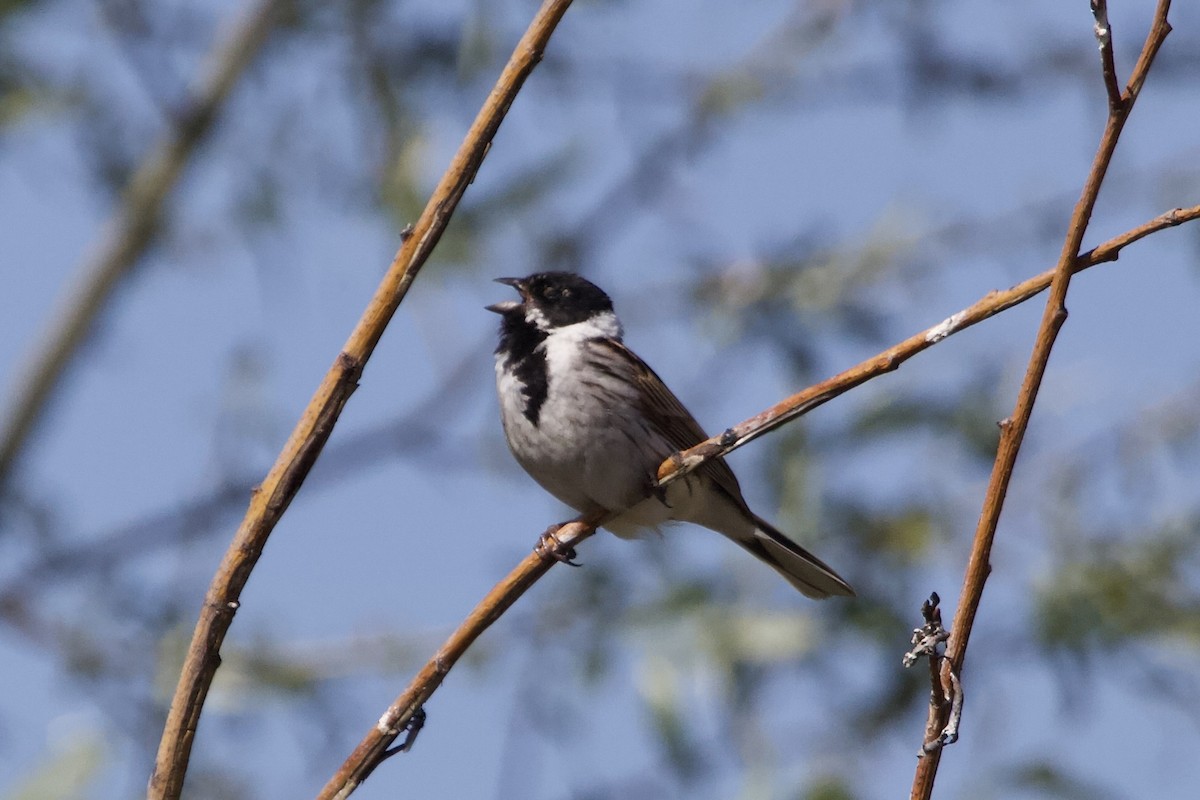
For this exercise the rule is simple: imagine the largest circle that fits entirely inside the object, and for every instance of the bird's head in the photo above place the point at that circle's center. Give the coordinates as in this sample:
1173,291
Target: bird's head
551,300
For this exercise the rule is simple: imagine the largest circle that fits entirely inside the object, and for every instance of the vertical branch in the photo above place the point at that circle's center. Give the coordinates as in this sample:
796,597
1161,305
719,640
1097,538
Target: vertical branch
1013,429
126,236
1108,64
270,499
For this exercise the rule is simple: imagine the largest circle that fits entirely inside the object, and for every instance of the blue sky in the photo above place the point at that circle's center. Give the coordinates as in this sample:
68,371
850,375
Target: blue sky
840,150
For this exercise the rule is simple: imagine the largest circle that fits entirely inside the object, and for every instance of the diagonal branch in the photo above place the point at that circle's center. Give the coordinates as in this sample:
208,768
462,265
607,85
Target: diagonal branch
1013,429
680,464
126,237
270,499
398,718
400,715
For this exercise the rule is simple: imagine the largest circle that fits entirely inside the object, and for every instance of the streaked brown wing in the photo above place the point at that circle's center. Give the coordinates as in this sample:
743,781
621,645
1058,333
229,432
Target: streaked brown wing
676,423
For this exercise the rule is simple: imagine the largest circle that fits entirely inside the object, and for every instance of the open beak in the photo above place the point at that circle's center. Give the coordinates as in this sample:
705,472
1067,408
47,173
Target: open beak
508,305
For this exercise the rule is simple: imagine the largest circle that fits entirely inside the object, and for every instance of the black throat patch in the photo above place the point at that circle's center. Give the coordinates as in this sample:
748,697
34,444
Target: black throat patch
519,340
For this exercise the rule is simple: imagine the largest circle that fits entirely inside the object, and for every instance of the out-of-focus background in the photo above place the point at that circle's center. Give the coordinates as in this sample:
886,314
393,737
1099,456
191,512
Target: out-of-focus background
771,191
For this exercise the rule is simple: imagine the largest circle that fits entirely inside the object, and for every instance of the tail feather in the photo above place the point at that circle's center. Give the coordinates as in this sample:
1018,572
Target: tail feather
809,574
720,509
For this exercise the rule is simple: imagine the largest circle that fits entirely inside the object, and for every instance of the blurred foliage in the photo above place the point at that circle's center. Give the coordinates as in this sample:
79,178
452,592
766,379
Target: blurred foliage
1045,779
16,98
717,651
828,789
67,774
965,420
806,293
1104,594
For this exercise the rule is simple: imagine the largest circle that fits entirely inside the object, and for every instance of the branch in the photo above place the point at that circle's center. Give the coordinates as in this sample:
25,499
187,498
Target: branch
126,237
1013,429
270,499
1108,64
926,641
680,464
408,707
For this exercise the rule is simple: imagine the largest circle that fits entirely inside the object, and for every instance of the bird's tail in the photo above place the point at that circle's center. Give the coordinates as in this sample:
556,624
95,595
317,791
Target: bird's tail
812,576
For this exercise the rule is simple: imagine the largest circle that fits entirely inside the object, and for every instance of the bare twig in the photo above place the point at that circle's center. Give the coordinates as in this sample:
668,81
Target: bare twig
1108,64
679,464
126,236
272,497
399,716
949,734
1013,429
927,641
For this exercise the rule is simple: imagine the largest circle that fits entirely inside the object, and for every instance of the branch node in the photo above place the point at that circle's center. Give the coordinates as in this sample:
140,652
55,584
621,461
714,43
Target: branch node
351,366
224,606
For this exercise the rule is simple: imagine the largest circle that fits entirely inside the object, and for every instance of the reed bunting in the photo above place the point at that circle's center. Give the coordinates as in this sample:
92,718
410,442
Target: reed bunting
591,422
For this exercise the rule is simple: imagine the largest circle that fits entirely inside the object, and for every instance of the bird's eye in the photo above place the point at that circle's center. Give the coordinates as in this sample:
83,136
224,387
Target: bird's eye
565,293
550,293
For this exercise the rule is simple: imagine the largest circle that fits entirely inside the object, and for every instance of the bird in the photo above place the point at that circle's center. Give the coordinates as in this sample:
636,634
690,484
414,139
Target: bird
591,422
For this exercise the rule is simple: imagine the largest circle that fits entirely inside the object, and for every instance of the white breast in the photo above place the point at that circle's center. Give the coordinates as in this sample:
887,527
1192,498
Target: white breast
589,448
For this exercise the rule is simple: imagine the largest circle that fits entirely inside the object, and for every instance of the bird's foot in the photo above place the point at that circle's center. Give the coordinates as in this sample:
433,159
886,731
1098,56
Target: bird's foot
551,548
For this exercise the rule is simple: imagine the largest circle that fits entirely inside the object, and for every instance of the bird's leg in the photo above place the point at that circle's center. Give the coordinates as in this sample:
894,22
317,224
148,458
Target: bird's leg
550,547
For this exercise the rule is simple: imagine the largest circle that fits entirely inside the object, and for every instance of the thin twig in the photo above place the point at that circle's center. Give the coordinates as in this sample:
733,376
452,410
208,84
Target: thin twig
950,732
126,236
1013,429
1108,64
927,642
680,464
398,717
272,497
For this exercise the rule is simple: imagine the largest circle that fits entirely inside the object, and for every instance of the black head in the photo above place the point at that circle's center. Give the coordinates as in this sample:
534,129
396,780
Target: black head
555,299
